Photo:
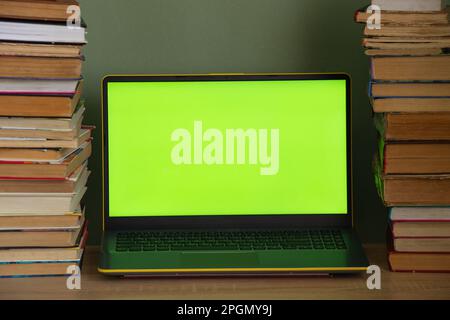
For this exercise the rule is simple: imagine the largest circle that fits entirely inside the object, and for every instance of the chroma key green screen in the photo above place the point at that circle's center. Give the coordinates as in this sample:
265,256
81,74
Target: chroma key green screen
227,148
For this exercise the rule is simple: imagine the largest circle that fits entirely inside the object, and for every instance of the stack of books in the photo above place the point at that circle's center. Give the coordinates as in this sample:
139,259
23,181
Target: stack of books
410,96
44,147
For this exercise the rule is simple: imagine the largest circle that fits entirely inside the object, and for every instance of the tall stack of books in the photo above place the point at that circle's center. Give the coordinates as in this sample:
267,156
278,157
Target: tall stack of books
44,148
410,96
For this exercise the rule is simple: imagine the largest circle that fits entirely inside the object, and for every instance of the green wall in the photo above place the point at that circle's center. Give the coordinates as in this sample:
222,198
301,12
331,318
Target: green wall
203,36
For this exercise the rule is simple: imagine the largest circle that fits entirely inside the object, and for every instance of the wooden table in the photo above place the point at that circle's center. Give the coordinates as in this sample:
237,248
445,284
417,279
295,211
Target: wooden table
97,286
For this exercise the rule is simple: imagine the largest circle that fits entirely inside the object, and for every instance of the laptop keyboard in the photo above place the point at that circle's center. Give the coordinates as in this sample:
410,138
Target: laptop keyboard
230,240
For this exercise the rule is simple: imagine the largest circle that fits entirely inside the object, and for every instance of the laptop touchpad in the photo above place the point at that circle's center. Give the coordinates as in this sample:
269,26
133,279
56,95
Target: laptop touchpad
217,259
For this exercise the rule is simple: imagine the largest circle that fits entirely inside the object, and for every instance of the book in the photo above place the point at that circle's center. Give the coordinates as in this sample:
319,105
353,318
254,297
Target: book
31,170
413,126
24,223
409,89
406,43
67,185
40,87
35,155
407,18
420,214
45,222
16,155
40,105
415,158
11,255
26,134
51,10
50,268
43,123
419,262
410,5
405,52
423,229
39,49
39,203
41,32
47,134
40,238
382,105
413,190
39,254
422,244
85,135
430,68
423,31
413,41
40,67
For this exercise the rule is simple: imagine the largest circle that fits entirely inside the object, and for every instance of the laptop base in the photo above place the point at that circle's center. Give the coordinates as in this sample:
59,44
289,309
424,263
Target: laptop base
304,259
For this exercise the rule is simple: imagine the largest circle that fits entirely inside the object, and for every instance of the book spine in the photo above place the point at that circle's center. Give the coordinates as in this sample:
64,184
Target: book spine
32,179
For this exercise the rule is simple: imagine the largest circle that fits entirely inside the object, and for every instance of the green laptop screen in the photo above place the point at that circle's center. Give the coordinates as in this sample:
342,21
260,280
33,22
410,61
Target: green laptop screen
227,148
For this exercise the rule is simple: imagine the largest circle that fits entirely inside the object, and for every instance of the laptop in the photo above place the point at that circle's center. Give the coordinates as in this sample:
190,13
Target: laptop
228,174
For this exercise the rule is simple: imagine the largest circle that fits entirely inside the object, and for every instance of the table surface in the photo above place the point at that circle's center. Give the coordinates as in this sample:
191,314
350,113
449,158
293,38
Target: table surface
97,286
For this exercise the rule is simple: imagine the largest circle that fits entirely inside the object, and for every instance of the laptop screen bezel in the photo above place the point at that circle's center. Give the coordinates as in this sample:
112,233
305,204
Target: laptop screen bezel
227,221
